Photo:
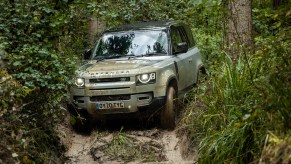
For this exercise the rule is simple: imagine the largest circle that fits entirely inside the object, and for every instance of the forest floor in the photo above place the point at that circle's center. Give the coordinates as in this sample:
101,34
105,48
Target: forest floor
126,144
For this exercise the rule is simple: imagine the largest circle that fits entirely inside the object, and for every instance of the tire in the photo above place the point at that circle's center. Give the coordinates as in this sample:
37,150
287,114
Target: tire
202,76
168,117
81,124
80,120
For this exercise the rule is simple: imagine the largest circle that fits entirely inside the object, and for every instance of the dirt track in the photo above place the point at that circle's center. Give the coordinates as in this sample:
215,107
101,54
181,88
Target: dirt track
126,145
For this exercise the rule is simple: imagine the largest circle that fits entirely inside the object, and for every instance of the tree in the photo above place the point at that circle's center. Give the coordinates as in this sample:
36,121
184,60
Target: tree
239,26
96,23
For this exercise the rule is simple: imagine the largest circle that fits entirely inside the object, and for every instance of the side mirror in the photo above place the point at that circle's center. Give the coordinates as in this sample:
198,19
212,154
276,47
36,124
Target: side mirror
182,47
87,54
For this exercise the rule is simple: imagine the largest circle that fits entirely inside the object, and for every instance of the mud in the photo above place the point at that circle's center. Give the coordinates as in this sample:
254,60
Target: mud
126,144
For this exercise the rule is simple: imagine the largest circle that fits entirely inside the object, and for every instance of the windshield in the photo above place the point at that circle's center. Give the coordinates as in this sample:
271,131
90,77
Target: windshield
132,43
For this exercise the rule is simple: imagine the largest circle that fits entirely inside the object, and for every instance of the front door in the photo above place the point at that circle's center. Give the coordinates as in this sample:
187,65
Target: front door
183,61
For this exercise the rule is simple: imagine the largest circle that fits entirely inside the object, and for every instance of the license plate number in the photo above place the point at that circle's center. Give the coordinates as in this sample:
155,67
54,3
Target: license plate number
109,105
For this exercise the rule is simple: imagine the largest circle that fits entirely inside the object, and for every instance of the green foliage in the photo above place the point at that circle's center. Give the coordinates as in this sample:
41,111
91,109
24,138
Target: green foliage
40,44
11,93
21,139
247,99
231,116
39,67
210,46
274,80
122,12
276,149
234,144
267,21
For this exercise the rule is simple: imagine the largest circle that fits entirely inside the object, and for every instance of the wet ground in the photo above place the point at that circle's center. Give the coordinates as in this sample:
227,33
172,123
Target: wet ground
125,141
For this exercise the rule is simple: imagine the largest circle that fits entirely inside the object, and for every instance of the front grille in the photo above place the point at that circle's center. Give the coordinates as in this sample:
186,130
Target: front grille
110,98
107,80
103,89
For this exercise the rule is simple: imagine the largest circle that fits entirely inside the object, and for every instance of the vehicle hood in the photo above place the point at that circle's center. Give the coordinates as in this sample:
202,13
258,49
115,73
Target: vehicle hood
113,65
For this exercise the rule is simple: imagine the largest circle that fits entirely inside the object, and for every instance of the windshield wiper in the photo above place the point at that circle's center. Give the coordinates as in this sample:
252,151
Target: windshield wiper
101,58
113,56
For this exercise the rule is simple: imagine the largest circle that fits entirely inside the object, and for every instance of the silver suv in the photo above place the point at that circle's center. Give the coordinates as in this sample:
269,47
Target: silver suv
136,68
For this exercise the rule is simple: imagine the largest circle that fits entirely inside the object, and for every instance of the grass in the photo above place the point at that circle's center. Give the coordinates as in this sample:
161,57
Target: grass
230,115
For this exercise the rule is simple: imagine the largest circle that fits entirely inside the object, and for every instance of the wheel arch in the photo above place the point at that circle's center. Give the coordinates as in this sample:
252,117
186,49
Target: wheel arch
202,69
172,81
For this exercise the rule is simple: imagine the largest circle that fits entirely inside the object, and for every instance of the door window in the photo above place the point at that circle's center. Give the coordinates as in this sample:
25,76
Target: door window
177,37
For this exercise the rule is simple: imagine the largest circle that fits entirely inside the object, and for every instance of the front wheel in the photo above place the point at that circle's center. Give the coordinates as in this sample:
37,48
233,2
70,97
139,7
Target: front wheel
81,124
168,117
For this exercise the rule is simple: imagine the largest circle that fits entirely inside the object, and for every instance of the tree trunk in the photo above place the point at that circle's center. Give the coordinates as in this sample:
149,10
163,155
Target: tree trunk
96,26
240,27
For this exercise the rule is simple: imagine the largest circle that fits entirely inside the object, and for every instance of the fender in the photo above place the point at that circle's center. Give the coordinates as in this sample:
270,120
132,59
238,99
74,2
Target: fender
166,77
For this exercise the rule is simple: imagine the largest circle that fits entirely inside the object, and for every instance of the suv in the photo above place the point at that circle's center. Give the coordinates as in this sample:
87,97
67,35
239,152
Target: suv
136,68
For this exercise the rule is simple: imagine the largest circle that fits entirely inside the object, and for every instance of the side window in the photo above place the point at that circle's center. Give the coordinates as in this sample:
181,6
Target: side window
190,36
184,35
176,38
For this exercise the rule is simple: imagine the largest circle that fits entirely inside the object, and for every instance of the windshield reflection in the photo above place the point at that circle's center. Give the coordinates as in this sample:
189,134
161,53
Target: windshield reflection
132,43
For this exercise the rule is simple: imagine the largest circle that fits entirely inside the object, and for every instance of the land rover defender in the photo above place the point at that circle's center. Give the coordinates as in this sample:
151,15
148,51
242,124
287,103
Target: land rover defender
137,67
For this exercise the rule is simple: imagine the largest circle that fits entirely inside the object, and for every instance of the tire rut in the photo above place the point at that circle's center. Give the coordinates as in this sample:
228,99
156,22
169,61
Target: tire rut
125,146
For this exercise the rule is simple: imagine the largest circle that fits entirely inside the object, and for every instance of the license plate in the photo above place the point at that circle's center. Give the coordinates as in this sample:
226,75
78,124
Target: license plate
109,105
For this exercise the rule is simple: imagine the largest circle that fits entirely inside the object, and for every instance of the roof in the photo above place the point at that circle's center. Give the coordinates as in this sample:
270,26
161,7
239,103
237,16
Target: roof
143,25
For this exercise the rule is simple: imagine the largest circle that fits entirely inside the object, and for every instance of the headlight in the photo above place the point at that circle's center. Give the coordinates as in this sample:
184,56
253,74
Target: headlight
80,82
146,78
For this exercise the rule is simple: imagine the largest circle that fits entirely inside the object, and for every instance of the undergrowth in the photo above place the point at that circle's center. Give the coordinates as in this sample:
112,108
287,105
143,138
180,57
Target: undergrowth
242,114
25,137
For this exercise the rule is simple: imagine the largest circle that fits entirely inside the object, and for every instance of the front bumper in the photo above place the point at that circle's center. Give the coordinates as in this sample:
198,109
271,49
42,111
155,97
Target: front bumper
137,103
111,89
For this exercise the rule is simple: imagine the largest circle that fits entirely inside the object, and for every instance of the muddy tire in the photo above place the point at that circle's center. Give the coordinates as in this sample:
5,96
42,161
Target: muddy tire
168,117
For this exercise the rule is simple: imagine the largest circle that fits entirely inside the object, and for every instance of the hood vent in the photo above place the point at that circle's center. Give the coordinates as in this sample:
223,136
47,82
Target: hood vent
109,80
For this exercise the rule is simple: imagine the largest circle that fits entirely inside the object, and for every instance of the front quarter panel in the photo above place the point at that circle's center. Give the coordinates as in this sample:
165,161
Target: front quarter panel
165,73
